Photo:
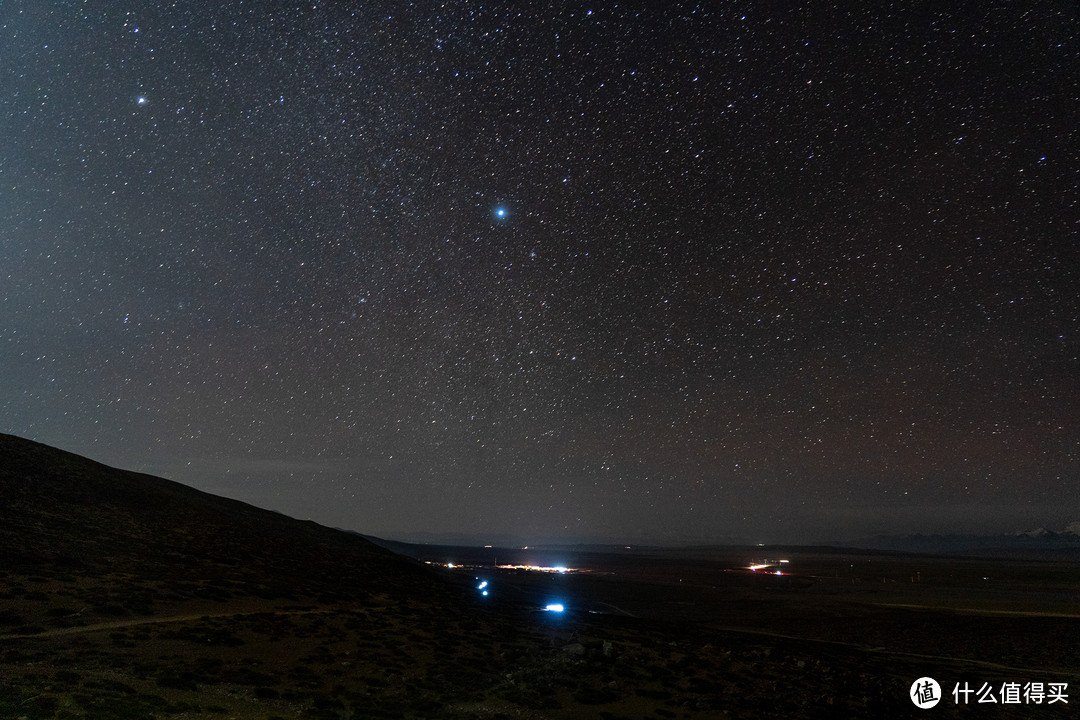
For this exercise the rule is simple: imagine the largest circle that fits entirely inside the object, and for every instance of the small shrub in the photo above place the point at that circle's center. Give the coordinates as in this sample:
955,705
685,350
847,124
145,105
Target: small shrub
177,681
67,677
59,612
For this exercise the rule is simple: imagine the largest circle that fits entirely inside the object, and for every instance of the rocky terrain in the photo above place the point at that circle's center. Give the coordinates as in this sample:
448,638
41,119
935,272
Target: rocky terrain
128,596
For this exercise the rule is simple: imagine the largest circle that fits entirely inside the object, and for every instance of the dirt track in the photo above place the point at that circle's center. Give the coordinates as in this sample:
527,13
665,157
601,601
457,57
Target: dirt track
113,625
980,611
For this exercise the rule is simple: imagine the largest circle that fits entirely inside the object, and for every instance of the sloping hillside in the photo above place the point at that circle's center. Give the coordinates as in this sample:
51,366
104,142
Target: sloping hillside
128,596
63,513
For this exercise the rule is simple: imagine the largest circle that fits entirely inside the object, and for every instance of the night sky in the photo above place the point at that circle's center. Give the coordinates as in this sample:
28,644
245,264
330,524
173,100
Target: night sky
665,272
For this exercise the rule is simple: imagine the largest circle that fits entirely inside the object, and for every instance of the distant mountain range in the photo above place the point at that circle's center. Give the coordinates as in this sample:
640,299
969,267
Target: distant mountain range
61,510
1038,541
1072,530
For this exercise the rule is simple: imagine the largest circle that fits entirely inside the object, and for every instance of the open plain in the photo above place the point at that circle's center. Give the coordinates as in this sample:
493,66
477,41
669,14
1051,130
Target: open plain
127,596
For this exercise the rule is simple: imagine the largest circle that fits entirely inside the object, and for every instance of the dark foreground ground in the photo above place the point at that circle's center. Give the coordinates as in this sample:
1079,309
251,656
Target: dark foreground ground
650,634
838,625
127,596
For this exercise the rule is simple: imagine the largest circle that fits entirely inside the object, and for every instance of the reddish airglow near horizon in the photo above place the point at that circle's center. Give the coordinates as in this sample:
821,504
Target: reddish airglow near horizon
675,272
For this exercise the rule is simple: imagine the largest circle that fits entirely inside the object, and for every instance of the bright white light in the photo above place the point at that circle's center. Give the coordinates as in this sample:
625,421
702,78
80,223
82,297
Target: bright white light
482,585
141,101
450,565
541,568
484,593
555,607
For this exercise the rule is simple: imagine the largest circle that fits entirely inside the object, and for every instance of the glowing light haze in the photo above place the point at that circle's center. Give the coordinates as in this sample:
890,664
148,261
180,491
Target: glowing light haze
522,272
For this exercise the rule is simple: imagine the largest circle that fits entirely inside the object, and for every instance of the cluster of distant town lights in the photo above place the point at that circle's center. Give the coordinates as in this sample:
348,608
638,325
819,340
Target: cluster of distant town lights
773,566
768,565
483,586
530,568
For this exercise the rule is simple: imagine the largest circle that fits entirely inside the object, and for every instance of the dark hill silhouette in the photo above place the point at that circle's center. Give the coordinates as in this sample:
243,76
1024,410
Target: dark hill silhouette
60,512
124,595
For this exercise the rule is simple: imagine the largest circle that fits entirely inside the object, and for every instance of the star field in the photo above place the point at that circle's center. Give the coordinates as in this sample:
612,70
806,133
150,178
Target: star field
661,271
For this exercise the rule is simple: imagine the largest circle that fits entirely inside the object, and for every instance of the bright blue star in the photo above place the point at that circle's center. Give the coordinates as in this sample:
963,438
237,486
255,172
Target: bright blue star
501,213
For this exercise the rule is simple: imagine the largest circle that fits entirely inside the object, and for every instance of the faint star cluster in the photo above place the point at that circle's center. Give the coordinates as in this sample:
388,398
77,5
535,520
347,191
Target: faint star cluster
665,272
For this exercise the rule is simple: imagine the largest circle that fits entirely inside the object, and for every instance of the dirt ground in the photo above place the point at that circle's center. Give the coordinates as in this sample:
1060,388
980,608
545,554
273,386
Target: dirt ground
642,637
